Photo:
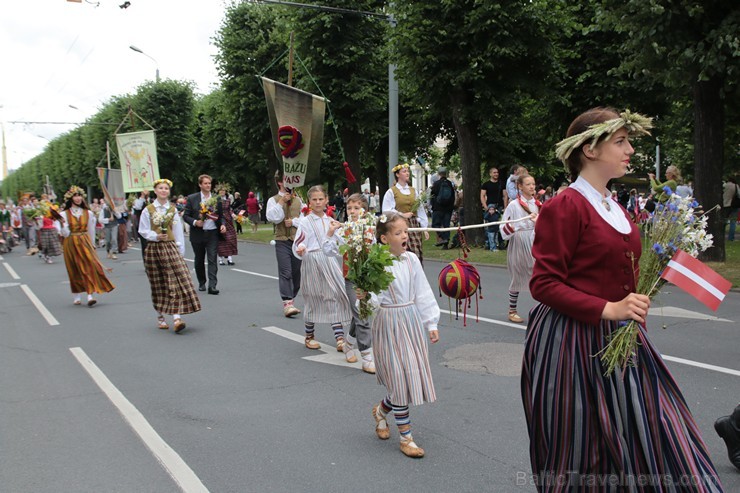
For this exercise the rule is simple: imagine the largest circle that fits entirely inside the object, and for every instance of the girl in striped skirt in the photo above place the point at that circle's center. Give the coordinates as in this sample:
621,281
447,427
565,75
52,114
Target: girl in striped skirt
86,273
520,235
173,292
408,312
49,235
631,430
322,283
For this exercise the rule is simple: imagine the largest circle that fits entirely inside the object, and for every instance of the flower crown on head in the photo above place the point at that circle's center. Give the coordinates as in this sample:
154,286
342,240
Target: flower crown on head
162,180
635,123
400,167
223,186
74,190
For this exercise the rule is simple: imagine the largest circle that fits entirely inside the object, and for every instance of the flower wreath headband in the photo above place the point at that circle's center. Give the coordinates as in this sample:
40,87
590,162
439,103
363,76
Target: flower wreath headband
74,190
162,180
400,167
223,186
635,123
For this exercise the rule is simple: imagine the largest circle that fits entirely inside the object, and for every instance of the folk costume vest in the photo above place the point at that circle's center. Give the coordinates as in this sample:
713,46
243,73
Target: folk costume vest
291,210
158,229
404,203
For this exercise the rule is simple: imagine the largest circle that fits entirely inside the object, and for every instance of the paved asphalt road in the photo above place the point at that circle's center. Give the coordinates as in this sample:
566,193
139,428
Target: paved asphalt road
231,407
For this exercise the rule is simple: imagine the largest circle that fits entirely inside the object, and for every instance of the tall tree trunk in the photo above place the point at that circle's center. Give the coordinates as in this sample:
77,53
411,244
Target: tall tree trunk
352,141
381,170
467,139
709,129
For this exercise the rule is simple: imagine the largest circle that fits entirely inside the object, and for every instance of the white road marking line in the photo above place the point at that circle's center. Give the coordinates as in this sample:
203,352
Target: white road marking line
39,306
1,257
719,369
672,311
491,321
666,357
11,271
256,274
167,457
9,284
134,248
330,356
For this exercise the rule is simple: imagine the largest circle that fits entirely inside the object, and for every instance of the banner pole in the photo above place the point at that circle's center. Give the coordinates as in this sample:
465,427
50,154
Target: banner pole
107,152
290,61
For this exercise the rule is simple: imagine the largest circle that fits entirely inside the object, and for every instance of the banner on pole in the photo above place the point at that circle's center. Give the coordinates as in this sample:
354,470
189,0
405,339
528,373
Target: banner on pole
111,182
297,125
137,152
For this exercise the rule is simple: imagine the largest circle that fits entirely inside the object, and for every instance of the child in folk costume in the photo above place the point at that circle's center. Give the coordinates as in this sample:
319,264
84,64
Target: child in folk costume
321,276
359,329
408,311
521,236
49,234
173,292
403,199
86,273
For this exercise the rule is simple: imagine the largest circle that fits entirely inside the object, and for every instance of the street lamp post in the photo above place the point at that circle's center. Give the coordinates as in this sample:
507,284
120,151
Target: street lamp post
138,50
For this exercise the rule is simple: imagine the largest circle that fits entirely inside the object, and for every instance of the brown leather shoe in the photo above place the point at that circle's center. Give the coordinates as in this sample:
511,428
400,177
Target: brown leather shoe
514,317
290,311
381,425
179,325
410,449
340,345
312,344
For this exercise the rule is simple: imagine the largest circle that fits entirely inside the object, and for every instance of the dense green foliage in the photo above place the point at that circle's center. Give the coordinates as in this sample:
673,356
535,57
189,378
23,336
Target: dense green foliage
500,81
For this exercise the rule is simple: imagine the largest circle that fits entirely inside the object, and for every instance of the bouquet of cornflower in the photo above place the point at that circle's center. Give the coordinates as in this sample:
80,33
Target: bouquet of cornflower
208,209
366,260
674,226
164,221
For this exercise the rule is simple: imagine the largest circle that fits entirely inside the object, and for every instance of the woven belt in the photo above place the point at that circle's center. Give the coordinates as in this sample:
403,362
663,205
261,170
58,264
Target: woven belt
399,305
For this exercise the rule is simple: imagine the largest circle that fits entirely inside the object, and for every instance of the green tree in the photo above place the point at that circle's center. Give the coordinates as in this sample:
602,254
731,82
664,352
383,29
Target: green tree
692,48
466,59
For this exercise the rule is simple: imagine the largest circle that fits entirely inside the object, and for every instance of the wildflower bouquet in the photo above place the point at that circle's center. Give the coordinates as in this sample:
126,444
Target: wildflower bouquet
208,209
33,212
366,260
164,221
130,201
674,226
421,200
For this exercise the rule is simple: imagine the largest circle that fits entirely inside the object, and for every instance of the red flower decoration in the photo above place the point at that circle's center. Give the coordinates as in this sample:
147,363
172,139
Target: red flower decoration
330,211
305,210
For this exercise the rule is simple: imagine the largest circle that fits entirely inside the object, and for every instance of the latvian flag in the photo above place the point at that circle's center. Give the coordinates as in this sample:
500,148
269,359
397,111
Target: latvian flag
697,279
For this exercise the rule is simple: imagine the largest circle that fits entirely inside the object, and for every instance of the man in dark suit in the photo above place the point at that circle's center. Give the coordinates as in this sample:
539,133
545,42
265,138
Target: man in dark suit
204,234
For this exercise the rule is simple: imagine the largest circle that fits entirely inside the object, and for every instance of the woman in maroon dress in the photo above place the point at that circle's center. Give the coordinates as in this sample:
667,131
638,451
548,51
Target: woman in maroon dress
227,247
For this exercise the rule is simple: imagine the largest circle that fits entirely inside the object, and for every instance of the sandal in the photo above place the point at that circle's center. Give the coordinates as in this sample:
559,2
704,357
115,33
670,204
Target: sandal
179,325
312,344
340,345
162,323
383,432
411,449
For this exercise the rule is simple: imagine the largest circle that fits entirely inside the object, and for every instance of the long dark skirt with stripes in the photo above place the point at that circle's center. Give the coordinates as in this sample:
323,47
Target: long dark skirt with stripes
401,354
414,242
322,286
631,431
172,286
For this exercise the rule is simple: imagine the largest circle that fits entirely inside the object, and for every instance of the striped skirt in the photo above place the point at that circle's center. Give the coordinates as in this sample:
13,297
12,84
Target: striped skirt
414,242
631,427
322,286
50,245
227,244
172,286
86,273
519,260
401,353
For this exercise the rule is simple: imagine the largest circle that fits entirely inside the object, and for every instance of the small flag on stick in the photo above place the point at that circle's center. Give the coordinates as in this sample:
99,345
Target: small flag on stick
697,279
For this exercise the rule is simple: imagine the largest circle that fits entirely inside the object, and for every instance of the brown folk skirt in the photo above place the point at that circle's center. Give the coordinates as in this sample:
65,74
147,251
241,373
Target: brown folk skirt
172,286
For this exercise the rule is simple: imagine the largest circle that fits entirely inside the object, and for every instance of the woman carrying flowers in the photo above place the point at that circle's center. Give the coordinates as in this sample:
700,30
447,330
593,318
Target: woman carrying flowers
402,198
586,424
227,245
86,273
173,292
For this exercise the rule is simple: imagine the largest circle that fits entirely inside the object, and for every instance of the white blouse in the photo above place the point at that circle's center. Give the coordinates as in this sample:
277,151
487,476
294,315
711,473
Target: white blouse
77,213
389,203
275,213
614,215
145,225
410,286
311,233
515,211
